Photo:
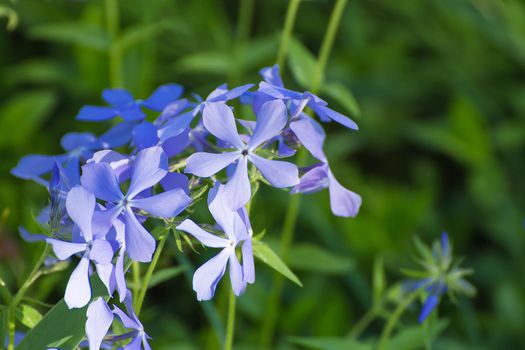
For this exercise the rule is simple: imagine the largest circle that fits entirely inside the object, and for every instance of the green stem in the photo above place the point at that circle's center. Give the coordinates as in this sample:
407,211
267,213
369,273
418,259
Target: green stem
327,45
230,325
290,220
149,273
11,329
269,322
394,318
363,323
289,22
115,52
135,270
33,275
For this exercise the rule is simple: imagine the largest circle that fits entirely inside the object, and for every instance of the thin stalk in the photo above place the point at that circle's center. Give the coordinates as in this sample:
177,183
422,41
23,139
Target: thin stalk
230,325
11,329
244,25
328,43
363,323
135,270
269,322
394,318
149,273
115,51
33,275
286,36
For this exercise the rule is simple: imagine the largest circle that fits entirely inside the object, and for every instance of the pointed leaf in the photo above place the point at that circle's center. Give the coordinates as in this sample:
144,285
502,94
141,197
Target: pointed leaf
264,253
28,316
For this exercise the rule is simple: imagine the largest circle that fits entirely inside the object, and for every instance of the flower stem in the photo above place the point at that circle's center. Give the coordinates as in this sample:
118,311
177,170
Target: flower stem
363,323
149,273
33,275
11,329
328,42
230,326
394,318
115,52
289,22
135,269
268,327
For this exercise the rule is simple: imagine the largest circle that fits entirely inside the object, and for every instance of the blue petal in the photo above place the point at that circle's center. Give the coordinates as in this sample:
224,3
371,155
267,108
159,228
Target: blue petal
429,305
163,96
74,140
99,319
145,135
117,97
96,113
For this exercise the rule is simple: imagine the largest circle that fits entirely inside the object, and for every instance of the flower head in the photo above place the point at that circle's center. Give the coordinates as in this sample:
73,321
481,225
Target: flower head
441,275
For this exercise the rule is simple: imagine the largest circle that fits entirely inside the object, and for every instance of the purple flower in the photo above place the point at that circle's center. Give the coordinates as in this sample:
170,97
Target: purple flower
150,166
99,320
343,202
219,120
273,88
80,205
139,338
124,105
237,231
179,123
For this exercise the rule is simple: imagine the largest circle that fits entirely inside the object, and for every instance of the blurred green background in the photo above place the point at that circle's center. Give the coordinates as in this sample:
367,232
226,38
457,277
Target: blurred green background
441,90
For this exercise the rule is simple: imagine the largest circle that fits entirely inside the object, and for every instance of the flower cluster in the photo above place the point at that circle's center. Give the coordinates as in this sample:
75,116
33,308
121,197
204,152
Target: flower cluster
164,152
441,274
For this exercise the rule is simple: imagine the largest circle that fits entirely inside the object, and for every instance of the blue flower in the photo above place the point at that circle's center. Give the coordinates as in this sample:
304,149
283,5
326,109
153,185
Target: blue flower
441,275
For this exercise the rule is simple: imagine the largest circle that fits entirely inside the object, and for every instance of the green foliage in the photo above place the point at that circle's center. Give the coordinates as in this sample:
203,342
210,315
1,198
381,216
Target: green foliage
440,146
264,253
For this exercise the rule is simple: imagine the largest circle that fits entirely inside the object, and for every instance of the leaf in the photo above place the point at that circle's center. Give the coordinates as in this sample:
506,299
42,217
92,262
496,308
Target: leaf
264,253
28,315
379,281
212,62
23,114
342,95
309,257
166,274
147,31
73,33
329,343
302,63
61,327
413,338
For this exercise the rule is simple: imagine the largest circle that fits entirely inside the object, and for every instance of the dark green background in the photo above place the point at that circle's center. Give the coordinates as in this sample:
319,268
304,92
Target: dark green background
441,146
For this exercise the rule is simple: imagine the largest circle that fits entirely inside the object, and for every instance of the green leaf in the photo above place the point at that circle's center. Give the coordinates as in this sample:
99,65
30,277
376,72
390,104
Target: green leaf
73,33
342,95
302,63
22,115
264,253
28,315
147,31
379,281
61,327
163,275
212,62
309,257
329,343
413,338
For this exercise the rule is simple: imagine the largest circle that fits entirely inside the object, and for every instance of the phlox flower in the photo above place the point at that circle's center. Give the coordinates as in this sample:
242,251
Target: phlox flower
219,120
124,105
80,205
179,123
149,167
237,230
